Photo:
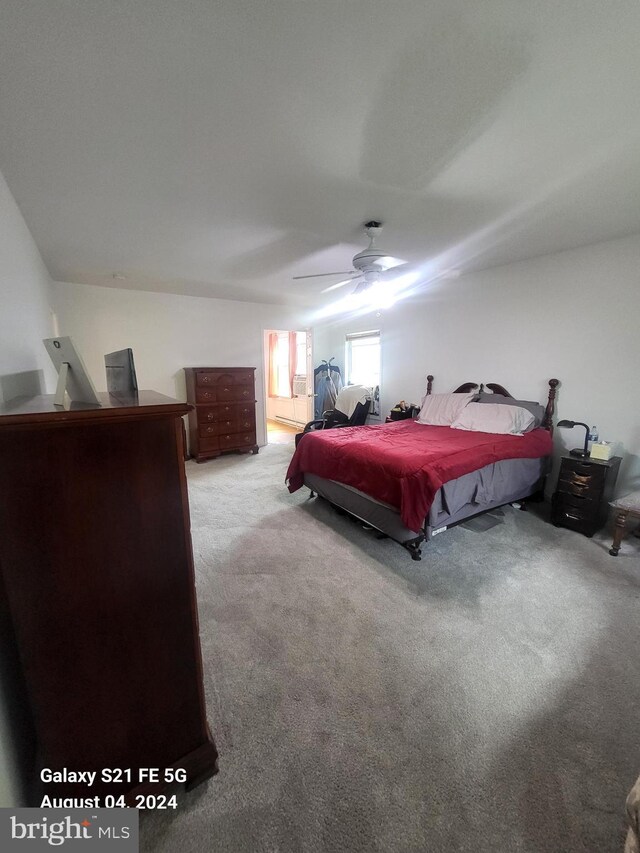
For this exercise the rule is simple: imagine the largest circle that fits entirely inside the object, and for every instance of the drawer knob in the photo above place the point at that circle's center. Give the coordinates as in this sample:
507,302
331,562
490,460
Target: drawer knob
210,416
225,389
227,437
205,378
245,393
209,429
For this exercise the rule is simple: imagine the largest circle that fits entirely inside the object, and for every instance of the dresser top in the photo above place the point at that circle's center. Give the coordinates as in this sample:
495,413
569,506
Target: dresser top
41,409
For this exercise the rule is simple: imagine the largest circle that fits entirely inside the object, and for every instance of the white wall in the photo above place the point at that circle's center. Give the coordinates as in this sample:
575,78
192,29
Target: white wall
24,320
25,316
168,332
572,315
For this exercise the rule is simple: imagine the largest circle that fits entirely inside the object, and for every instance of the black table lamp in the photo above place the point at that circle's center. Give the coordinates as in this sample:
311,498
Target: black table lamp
583,453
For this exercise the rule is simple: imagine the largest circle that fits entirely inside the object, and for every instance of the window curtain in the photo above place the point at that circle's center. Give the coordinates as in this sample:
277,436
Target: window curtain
273,376
293,359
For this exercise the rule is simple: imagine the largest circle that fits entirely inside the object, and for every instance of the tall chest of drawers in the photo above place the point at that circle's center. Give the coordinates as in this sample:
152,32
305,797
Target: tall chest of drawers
224,410
585,487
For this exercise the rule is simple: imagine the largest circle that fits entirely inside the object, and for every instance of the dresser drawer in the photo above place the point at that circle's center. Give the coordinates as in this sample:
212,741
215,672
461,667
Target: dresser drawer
209,443
211,414
213,378
241,412
239,439
217,427
222,412
244,377
218,378
235,393
246,423
206,394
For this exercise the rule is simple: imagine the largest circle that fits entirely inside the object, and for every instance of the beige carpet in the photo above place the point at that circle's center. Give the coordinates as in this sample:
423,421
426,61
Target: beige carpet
485,699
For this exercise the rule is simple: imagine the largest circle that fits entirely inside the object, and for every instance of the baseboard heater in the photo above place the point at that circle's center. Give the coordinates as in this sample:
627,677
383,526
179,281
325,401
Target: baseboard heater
289,421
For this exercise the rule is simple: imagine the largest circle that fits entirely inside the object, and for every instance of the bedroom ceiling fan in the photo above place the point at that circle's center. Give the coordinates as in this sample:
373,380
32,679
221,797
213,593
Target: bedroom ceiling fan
369,266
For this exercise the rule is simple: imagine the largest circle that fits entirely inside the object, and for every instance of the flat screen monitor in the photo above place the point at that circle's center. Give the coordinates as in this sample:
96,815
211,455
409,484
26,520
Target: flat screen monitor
121,373
72,374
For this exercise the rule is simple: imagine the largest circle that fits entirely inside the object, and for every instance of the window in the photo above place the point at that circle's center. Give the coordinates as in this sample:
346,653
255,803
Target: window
362,363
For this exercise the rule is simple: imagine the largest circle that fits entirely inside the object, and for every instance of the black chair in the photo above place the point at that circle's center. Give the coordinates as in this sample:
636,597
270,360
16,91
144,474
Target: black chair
334,418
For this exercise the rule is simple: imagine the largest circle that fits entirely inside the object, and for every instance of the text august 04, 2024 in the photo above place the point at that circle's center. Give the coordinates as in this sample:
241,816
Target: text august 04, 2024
115,776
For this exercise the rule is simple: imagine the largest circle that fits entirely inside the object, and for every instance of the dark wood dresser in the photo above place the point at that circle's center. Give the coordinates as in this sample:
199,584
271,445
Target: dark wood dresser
224,410
97,595
585,487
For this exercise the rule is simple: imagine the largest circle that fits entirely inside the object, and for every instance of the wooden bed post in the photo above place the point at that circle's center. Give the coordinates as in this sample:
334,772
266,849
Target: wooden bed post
429,383
547,422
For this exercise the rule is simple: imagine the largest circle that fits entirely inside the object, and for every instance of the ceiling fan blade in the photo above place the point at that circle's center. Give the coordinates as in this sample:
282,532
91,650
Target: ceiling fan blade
395,272
321,274
388,262
338,284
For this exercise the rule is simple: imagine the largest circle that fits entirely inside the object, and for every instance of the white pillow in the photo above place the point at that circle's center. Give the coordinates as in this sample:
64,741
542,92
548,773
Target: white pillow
493,417
443,409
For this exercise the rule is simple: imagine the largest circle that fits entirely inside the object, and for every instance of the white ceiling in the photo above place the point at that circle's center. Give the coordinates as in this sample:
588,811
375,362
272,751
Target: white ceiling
219,147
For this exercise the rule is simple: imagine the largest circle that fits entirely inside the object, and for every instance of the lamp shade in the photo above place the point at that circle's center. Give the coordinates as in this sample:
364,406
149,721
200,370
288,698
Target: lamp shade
577,451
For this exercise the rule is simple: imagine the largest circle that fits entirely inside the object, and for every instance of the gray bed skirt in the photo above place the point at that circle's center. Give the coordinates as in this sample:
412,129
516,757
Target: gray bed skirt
492,486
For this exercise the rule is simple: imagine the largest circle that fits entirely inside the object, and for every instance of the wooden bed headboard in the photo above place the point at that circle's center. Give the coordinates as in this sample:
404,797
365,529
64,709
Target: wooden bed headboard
468,387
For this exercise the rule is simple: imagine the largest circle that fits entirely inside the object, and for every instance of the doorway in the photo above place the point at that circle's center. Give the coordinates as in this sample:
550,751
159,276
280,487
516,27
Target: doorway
289,392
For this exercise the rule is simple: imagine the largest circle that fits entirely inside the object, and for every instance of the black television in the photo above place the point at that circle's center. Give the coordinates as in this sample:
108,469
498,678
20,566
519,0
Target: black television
121,373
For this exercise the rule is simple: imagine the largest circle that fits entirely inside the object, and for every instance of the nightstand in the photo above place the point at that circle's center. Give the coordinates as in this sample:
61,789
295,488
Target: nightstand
585,487
409,413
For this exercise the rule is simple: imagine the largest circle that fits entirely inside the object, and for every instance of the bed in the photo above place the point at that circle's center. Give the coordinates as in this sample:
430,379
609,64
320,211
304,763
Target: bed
411,481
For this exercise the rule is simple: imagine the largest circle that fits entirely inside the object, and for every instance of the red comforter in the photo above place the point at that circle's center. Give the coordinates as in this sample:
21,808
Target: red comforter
405,463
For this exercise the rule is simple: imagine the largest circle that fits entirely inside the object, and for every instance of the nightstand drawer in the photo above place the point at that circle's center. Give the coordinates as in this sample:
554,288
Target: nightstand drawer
583,474
583,507
573,485
574,521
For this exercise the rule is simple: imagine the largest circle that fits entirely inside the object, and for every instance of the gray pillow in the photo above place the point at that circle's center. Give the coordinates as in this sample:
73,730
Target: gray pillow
535,408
